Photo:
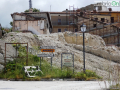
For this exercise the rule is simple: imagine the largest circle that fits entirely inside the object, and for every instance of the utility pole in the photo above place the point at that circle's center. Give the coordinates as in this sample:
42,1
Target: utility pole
30,4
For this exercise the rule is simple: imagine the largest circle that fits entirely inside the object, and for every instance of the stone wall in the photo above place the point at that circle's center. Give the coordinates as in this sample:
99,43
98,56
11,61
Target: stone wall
90,40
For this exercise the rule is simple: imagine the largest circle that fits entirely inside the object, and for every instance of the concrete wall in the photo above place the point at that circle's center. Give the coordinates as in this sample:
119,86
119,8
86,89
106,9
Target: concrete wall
19,17
36,27
116,15
64,24
65,20
43,15
106,17
55,29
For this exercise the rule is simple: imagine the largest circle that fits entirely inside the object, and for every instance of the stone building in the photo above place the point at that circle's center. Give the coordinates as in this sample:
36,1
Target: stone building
35,22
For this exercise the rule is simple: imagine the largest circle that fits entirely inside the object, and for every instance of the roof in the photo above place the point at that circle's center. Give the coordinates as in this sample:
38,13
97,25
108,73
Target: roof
28,14
107,11
63,12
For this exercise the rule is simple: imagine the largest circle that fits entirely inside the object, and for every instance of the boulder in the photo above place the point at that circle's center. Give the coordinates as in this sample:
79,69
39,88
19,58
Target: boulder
10,52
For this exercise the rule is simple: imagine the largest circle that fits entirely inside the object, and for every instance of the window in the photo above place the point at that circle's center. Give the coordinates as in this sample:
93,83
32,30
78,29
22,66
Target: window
94,25
112,19
19,25
76,30
59,21
96,19
102,19
47,25
59,30
65,29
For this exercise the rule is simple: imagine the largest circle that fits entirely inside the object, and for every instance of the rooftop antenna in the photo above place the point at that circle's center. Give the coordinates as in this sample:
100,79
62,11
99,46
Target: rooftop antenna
50,8
30,4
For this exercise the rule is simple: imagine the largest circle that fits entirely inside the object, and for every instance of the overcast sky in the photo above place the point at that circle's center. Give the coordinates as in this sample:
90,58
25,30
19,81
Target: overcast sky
7,7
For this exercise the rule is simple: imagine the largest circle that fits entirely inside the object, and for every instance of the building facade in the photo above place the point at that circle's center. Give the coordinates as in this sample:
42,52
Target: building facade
63,21
37,23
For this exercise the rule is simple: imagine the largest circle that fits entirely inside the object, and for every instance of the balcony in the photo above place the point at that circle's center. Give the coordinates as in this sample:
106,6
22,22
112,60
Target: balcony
62,23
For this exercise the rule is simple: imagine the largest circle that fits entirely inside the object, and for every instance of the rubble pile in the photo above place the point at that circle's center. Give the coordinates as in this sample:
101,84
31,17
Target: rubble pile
98,56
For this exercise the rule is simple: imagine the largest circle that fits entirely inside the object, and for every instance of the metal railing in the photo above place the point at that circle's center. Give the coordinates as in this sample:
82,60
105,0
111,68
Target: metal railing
63,23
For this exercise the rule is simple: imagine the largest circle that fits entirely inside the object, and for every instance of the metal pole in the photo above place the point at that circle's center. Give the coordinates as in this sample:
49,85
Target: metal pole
76,38
61,62
83,53
5,59
73,63
51,63
16,58
40,62
27,56
118,38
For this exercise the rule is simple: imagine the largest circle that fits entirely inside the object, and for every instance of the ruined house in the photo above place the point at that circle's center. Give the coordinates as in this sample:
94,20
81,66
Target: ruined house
35,22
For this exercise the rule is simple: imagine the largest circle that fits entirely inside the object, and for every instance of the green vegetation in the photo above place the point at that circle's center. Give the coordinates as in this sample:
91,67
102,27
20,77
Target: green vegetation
34,10
11,23
14,69
2,28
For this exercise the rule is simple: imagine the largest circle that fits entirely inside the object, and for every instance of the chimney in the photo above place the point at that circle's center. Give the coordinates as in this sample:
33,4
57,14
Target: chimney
78,10
31,10
94,11
110,9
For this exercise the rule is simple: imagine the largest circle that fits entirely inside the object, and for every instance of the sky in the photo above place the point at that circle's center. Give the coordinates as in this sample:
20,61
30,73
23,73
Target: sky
7,7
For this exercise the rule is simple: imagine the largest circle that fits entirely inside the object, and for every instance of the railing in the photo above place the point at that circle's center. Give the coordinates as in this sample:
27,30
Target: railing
63,23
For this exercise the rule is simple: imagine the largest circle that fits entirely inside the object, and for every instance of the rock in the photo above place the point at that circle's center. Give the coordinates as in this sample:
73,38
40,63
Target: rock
107,52
1,67
1,59
15,37
90,40
98,57
10,52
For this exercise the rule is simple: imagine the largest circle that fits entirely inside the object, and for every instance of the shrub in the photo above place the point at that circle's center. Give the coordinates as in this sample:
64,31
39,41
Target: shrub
14,69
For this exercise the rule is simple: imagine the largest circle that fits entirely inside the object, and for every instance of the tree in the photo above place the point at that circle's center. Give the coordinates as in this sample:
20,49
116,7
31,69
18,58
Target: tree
2,28
11,23
34,10
26,11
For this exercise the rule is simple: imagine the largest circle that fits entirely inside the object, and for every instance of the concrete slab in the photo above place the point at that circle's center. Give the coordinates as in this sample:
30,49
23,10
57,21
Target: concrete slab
52,85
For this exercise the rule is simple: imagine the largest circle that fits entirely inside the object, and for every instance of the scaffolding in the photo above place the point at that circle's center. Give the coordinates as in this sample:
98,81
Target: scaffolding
104,28
72,16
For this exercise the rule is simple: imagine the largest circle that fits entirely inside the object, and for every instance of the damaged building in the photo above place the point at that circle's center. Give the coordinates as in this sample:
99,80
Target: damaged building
64,21
35,22
103,23
99,20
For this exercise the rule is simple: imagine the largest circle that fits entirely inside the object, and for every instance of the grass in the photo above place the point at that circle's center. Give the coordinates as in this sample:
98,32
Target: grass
14,69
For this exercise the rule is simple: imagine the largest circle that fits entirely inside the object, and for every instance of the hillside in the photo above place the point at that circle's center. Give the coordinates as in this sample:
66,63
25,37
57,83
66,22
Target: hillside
99,57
